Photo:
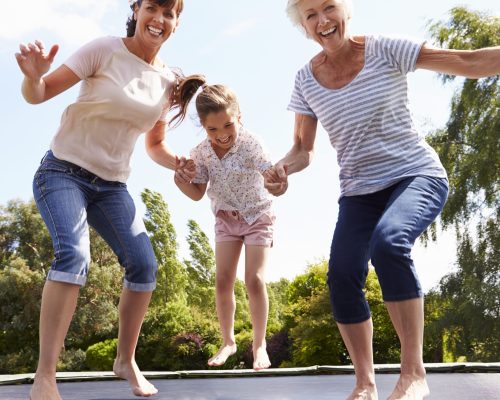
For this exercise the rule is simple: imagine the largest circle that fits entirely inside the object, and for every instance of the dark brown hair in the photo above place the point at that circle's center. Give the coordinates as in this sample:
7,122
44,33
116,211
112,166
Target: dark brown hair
186,87
170,4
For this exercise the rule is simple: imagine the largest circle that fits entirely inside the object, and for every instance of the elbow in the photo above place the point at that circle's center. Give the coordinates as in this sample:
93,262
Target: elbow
32,100
197,197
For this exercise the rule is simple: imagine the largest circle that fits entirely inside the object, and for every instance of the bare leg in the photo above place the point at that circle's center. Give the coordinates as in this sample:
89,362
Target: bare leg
132,308
226,260
358,340
58,306
255,261
408,320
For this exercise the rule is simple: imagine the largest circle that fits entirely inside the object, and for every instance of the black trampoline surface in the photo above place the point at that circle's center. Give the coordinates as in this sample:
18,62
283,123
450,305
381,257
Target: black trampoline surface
453,386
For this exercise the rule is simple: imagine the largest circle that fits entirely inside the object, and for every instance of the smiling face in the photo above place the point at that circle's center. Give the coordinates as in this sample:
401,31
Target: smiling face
222,130
325,21
155,23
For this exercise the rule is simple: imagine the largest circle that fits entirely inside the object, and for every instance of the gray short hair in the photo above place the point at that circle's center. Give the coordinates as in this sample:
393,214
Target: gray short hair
292,10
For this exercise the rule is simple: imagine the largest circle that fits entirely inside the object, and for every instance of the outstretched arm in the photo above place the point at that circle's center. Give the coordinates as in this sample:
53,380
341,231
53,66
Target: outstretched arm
298,158
34,63
473,64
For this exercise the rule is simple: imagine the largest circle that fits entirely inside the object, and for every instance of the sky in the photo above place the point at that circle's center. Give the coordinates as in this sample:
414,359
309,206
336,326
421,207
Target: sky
252,47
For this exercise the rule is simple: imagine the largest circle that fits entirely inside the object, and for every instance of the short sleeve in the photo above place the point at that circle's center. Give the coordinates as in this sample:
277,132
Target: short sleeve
201,169
86,61
298,103
261,156
402,53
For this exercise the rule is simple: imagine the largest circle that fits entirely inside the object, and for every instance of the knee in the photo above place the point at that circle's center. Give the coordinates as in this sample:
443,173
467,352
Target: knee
141,270
255,284
342,273
73,256
384,249
224,283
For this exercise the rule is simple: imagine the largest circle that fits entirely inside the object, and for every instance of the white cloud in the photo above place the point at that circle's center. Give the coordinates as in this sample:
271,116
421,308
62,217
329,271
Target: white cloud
73,21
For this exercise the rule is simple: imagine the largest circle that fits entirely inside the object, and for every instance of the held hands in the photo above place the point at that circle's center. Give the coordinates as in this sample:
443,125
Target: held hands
276,179
33,60
185,170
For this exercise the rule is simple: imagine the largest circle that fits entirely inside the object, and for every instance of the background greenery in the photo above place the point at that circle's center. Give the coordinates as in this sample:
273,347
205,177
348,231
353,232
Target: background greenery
180,330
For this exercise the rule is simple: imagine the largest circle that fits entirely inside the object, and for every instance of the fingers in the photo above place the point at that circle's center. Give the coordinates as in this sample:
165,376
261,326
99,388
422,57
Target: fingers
276,189
38,49
282,170
185,170
52,53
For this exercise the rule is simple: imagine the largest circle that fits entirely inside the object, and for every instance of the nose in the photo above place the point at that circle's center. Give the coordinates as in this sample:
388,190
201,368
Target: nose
323,19
159,16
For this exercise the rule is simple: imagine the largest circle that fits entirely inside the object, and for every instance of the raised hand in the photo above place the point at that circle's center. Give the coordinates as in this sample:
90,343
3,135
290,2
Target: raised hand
33,61
276,179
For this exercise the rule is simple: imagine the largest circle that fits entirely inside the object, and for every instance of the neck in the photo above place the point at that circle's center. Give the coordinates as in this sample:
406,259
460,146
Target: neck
145,53
344,55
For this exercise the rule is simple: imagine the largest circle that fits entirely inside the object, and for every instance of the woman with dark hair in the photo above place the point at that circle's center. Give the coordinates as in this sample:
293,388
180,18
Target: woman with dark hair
125,90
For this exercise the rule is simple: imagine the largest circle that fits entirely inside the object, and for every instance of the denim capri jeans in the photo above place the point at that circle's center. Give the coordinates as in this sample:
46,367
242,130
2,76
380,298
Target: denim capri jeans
70,199
381,227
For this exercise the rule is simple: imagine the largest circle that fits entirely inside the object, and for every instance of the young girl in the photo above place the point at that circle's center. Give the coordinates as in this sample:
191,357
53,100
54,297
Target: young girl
232,160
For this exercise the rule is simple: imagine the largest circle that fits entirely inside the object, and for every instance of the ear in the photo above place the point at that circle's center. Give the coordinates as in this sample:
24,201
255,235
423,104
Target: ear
176,25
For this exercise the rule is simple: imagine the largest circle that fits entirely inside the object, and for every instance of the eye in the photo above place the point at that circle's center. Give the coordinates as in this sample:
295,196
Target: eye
329,7
228,125
169,14
309,16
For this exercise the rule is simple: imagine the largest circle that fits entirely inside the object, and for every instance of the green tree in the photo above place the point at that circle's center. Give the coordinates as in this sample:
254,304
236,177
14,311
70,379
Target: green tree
20,293
23,235
469,145
172,279
200,269
469,149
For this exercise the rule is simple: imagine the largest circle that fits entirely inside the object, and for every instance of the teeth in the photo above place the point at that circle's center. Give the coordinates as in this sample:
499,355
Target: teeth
327,32
155,30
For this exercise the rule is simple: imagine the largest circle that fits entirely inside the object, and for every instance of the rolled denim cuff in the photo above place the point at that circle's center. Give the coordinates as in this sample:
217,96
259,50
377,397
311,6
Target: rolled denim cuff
139,287
60,276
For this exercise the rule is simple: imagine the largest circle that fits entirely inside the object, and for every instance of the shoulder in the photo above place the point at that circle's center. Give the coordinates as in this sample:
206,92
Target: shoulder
378,42
104,43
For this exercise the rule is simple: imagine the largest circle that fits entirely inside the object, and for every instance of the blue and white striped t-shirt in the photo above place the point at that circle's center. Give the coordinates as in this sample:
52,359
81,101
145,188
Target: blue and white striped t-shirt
368,120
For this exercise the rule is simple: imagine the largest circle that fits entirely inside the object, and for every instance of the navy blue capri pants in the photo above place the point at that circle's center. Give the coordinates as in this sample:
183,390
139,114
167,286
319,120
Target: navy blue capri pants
70,198
381,227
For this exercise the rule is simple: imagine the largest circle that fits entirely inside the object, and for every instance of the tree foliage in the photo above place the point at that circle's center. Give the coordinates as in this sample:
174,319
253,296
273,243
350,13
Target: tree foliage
171,278
466,309
469,145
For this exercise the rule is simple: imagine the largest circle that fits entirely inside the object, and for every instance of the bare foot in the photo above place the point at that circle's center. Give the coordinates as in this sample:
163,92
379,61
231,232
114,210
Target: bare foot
44,388
222,355
364,393
130,371
410,387
260,359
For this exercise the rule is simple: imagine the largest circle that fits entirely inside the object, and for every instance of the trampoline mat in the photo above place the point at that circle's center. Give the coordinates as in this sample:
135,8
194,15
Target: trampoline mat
456,386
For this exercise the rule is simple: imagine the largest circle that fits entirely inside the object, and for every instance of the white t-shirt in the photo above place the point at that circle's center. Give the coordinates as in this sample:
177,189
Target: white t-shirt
121,96
235,181
369,121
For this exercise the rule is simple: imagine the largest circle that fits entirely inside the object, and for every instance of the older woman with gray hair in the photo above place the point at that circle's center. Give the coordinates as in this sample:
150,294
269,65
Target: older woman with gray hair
392,183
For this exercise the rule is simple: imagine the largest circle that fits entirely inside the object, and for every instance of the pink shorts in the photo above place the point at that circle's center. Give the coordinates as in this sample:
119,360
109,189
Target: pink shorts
231,227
